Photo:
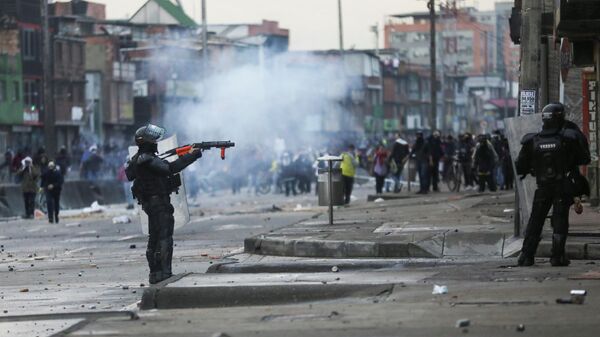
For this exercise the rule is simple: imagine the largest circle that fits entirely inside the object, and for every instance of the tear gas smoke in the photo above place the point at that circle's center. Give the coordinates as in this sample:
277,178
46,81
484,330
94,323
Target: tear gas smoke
293,96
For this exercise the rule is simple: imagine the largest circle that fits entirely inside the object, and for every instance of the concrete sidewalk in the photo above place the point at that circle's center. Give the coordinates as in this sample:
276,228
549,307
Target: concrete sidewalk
431,226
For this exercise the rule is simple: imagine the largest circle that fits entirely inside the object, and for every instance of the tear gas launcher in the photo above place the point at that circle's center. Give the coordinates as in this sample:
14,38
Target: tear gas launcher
180,151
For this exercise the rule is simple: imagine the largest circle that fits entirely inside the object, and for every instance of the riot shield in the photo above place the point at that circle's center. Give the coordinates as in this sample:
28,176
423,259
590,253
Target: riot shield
515,129
179,200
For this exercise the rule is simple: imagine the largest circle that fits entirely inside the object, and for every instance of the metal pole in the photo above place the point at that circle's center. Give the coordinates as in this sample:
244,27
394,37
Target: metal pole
330,192
49,128
432,60
204,40
340,25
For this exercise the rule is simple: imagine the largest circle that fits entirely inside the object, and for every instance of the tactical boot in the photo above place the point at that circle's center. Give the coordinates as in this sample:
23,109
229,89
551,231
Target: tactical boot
527,256
525,260
154,278
559,258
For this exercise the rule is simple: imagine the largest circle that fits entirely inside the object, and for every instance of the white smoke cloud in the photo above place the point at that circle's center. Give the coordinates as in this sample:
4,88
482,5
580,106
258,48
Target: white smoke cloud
292,96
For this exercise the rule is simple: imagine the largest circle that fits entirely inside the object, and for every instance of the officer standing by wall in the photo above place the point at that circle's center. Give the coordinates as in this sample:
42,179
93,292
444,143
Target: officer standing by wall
154,179
553,156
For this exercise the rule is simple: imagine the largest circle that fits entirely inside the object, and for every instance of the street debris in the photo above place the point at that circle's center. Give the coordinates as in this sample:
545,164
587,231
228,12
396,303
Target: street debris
94,208
508,210
73,224
276,209
125,287
520,327
379,200
132,246
463,323
123,219
439,290
219,334
335,269
577,297
24,290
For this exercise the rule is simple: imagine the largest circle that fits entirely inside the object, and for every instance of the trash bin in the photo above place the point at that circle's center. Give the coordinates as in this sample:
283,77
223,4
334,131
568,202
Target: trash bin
337,187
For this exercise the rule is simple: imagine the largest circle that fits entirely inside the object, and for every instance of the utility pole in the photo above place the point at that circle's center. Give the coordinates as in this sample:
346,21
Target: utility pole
48,106
204,41
432,52
341,26
531,14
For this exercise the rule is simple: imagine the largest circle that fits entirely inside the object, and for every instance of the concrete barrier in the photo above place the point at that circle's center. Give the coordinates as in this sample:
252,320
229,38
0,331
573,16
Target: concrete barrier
75,194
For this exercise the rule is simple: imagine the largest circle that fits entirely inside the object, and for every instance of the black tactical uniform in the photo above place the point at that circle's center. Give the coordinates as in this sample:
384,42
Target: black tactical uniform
552,156
154,179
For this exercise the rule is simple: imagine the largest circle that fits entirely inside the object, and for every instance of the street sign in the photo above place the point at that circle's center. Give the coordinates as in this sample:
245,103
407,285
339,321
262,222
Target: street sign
527,102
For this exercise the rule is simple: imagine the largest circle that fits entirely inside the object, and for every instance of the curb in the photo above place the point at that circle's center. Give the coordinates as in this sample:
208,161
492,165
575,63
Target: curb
296,267
223,296
448,244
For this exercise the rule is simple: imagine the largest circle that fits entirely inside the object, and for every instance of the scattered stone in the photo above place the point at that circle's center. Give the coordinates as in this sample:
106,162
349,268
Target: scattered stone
79,274
92,307
132,246
24,290
521,327
11,268
142,285
123,219
5,311
335,269
125,287
379,200
439,290
463,323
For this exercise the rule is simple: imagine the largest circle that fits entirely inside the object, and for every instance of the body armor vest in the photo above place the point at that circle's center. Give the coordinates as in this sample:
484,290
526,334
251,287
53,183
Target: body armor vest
147,183
550,161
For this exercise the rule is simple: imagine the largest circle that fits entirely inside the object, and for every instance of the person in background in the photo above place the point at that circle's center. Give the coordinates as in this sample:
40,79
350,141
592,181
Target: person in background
28,175
92,165
449,147
380,167
497,144
399,155
52,181
17,163
436,152
465,151
288,174
63,161
348,166
484,162
420,152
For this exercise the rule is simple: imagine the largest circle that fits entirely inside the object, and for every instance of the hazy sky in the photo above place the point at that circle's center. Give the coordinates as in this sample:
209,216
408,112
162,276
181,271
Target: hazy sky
312,23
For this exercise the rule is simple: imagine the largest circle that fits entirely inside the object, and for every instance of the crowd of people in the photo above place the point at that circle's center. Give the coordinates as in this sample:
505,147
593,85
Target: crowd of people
484,160
37,173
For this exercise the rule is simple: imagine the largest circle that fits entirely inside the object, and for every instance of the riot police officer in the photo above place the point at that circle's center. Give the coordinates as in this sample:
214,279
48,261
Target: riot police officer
154,179
553,156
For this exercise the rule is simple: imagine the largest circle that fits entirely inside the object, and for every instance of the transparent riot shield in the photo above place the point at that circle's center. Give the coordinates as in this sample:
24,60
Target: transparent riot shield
179,200
515,129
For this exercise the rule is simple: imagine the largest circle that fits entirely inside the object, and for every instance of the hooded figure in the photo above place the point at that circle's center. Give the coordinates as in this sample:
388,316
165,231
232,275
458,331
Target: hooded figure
29,175
52,181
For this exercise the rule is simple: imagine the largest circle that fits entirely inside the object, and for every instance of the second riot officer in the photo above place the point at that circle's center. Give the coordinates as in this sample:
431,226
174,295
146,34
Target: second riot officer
553,156
154,179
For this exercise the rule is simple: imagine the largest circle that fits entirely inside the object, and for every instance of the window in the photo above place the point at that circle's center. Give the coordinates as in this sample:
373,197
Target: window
30,44
2,91
30,92
58,51
16,91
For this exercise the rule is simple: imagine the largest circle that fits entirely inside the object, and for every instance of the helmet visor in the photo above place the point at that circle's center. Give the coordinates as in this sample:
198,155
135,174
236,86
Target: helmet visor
155,132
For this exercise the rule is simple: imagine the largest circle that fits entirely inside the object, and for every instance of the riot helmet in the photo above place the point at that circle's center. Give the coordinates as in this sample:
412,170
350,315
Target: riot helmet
553,115
149,134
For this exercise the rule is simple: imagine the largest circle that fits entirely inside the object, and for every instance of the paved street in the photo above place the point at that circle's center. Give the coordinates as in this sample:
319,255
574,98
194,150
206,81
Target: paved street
79,275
